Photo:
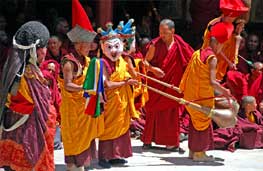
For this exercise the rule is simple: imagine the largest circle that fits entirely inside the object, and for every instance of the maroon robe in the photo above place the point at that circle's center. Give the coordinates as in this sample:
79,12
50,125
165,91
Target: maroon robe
62,53
200,141
162,114
184,122
252,136
237,83
226,138
255,87
249,135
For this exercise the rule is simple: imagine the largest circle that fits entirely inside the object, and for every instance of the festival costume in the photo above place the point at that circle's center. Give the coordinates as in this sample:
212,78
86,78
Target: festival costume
78,130
119,108
229,8
26,145
195,85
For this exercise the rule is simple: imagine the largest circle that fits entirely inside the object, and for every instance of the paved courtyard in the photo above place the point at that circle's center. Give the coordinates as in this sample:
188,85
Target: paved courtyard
161,160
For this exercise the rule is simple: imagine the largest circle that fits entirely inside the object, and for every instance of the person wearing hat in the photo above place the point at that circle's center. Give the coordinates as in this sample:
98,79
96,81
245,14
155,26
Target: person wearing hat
115,142
78,130
27,122
199,82
232,12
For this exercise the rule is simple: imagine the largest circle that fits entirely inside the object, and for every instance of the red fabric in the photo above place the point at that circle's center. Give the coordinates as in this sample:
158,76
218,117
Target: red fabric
252,136
90,110
53,87
162,114
72,58
200,140
255,87
184,122
44,66
20,104
226,138
222,31
249,135
116,148
205,53
237,83
79,16
62,53
233,8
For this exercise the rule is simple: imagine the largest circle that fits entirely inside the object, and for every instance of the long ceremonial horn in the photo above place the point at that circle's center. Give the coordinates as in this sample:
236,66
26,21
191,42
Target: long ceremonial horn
223,117
161,82
247,61
227,60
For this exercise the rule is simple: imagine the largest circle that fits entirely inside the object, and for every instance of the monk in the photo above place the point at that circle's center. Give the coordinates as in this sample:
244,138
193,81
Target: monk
55,51
78,130
251,122
50,70
248,131
119,109
228,58
25,112
236,82
167,57
199,82
251,53
255,84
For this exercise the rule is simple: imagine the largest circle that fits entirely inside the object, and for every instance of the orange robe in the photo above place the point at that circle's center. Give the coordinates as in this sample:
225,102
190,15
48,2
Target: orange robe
78,130
195,85
229,50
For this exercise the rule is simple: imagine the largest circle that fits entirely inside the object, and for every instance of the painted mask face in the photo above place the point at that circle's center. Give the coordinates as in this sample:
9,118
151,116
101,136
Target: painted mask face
112,48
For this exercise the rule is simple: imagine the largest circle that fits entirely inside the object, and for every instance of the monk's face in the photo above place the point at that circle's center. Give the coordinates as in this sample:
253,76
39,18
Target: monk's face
54,45
83,48
217,48
166,33
252,42
257,70
251,106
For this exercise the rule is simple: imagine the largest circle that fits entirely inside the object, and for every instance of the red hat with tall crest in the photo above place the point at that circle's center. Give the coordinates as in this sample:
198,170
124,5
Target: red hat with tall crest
82,30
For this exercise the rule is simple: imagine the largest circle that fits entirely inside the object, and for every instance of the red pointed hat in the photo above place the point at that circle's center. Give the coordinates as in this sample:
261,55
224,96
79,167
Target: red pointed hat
233,8
82,30
222,31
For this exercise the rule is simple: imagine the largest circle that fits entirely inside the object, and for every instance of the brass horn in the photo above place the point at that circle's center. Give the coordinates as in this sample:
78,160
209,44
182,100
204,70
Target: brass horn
161,82
224,114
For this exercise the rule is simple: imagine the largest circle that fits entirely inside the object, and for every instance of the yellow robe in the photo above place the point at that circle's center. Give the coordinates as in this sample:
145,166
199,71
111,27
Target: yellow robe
140,90
119,107
195,85
78,129
229,49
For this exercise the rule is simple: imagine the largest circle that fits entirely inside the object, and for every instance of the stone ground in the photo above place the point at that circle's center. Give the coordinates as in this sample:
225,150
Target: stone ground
162,160
158,159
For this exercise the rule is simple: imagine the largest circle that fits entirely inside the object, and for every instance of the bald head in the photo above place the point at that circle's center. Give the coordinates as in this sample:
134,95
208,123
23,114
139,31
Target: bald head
247,100
258,66
167,22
